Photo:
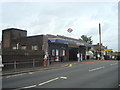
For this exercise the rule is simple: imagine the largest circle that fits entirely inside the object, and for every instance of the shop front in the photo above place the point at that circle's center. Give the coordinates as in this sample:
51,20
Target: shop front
63,50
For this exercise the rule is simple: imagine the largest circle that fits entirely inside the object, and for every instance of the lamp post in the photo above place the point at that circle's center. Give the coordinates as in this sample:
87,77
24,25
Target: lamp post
100,39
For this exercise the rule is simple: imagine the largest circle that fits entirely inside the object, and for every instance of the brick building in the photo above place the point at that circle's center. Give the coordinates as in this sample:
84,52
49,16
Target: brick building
20,50
0,49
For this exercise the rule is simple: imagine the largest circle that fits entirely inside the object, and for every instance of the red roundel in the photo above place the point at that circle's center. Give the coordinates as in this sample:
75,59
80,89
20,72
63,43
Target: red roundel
69,30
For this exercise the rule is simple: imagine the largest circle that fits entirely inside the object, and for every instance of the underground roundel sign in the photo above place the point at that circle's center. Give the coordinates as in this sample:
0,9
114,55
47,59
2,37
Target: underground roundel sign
69,30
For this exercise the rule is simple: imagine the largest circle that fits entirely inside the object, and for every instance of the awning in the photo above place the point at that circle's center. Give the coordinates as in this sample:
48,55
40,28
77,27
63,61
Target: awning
67,42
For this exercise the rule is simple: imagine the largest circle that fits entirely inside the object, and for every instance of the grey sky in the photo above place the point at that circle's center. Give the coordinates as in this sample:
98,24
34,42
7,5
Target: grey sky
56,17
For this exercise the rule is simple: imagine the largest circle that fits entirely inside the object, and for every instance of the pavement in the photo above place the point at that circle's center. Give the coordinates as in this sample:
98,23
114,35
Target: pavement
54,65
41,68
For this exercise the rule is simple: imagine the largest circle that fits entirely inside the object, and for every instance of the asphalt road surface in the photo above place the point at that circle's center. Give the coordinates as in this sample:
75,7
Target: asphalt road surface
80,75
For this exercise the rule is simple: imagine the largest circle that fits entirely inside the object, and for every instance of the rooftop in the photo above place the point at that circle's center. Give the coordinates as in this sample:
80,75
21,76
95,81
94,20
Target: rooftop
14,29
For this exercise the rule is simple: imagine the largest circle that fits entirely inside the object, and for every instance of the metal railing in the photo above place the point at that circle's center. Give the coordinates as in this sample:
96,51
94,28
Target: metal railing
16,64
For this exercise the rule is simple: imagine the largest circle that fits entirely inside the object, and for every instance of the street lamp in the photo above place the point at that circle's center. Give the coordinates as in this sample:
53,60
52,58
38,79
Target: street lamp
100,38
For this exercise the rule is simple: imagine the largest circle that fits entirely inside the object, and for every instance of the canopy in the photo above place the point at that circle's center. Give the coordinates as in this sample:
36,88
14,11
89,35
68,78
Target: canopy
67,42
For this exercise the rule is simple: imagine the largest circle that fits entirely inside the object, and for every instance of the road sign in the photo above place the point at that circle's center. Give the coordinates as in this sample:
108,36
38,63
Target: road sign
107,49
70,30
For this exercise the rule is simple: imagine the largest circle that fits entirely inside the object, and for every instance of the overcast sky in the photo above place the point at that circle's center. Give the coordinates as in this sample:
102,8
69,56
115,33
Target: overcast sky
56,17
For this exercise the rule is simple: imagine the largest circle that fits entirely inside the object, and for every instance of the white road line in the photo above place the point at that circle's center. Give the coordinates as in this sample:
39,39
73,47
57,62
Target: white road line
63,77
113,64
48,81
19,74
15,75
25,87
31,72
29,86
96,69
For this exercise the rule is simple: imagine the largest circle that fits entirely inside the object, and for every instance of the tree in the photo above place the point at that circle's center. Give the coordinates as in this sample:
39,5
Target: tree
86,39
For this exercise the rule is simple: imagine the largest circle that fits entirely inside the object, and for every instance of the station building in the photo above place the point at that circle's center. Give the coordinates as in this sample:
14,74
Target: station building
20,50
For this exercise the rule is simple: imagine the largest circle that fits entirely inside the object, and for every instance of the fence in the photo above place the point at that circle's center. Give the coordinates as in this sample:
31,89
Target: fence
14,59
22,64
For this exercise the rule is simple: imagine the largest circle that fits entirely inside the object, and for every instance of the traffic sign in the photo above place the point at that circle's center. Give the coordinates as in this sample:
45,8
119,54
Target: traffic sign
70,30
107,49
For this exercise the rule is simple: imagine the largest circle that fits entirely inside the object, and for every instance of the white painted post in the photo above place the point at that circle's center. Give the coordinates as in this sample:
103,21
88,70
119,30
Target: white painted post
78,56
81,57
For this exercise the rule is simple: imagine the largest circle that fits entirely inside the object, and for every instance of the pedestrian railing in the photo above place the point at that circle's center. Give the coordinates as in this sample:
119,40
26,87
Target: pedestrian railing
22,64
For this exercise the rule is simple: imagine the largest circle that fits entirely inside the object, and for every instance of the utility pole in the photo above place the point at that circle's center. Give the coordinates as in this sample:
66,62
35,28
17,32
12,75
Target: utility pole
100,39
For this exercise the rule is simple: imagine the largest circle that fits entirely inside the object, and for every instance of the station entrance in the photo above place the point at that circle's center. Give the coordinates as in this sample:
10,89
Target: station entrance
73,53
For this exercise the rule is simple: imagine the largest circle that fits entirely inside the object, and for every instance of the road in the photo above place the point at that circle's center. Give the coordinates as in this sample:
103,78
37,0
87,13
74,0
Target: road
80,75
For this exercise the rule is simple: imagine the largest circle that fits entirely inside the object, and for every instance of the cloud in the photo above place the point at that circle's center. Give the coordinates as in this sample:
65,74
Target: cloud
56,18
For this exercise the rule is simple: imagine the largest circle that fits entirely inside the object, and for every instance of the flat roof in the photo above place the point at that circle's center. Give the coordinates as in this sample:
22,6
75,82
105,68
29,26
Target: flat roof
14,29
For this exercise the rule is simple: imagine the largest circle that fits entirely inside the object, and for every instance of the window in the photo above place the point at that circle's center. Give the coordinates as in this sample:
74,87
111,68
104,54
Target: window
63,52
14,48
35,47
57,52
23,47
53,52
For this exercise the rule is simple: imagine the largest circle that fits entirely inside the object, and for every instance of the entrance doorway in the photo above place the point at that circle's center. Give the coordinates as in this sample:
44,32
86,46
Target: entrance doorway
73,54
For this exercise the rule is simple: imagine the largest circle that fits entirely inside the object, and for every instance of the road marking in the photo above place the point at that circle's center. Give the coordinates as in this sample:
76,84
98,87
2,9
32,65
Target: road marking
48,81
29,86
25,87
63,77
15,75
31,72
113,64
70,65
96,69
